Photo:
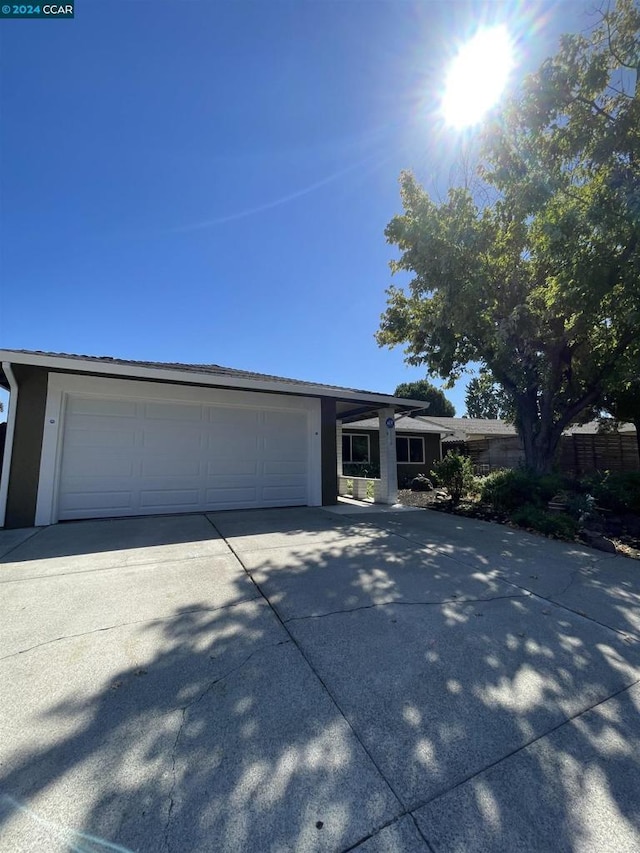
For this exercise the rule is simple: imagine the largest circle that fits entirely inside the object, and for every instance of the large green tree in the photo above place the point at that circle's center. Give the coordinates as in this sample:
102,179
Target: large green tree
622,390
486,398
541,285
422,389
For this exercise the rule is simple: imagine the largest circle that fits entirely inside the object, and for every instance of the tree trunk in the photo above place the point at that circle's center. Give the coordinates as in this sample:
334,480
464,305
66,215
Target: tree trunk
636,423
539,439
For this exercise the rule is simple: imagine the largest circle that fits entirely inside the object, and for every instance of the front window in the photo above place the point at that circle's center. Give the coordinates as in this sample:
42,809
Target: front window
409,449
355,448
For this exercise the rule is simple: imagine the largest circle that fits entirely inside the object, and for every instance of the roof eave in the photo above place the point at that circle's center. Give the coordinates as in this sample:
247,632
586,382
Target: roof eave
192,377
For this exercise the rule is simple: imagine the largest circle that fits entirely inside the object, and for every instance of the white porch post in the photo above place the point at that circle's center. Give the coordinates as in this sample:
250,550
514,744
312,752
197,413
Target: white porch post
388,459
339,450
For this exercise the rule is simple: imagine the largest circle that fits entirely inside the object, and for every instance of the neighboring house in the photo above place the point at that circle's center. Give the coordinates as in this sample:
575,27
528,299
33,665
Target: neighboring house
490,443
417,447
583,448
92,437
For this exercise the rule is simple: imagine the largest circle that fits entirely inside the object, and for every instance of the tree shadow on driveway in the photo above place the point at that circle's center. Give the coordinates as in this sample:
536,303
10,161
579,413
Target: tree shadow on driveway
383,679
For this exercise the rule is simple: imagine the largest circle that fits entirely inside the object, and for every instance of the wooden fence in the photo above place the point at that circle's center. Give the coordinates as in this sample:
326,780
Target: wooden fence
607,451
577,455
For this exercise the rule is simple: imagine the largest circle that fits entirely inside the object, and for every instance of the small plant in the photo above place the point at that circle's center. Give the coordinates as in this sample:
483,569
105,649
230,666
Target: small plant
582,508
455,472
371,491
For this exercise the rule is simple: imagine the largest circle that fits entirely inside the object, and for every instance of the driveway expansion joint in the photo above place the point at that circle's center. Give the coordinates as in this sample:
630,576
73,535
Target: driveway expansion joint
415,807
127,624
184,710
460,601
152,564
550,600
626,635
20,544
313,670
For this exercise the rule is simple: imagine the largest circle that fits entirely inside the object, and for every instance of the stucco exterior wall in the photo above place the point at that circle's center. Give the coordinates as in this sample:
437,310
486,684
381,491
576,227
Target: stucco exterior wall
27,445
328,451
406,470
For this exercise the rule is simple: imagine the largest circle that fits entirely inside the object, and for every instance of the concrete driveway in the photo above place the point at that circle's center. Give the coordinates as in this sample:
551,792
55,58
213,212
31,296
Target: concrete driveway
302,680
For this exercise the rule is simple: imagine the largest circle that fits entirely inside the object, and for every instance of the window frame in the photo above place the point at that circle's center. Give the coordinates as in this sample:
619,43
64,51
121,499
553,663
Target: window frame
350,436
408,439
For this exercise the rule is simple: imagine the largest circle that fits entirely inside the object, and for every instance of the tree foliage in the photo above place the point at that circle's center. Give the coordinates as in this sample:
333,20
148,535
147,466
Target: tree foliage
455,472
486,398
422,389
541,285
621,397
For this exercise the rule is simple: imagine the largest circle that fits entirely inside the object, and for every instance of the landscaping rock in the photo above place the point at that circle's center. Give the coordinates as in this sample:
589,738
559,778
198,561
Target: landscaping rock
596,540
421,484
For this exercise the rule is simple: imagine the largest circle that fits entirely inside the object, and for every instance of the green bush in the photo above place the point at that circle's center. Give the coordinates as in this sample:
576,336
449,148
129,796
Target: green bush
455,473
508,489
549,523
618,492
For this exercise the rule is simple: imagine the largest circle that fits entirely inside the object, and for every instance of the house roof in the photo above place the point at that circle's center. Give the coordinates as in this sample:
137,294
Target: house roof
465,429
451,429
404,423
203,374
596,427
455,430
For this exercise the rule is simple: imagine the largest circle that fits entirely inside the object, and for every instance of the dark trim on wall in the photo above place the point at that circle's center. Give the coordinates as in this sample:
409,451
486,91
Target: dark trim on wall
329,451
27,445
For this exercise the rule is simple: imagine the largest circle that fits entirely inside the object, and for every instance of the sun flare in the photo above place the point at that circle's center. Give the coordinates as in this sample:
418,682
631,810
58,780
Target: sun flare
477,76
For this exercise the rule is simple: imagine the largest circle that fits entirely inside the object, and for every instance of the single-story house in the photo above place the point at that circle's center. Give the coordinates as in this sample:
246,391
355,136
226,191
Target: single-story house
418,446
92,437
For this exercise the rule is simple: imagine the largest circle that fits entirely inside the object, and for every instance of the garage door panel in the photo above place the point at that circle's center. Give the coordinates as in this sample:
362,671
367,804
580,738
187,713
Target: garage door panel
104,407
172,498
171,465
184,413
170,438
144,456
231,494
234,416
93,436
84,463
223,442
283,493
80,502
282,466
232,467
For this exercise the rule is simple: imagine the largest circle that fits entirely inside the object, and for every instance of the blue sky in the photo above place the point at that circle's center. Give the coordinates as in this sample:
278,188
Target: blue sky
209,181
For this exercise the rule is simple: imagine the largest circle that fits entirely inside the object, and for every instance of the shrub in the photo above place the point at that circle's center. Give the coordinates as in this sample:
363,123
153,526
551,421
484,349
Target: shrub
549,523
455,472
618,492
508,489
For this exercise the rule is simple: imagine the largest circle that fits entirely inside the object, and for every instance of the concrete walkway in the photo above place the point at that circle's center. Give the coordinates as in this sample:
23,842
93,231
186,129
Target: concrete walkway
309,681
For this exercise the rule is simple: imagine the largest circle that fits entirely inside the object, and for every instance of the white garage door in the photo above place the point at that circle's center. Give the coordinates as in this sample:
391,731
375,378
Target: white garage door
137,457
